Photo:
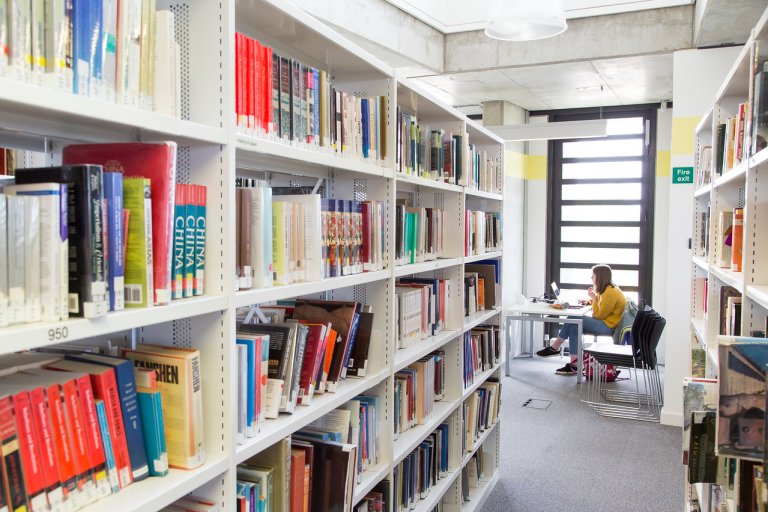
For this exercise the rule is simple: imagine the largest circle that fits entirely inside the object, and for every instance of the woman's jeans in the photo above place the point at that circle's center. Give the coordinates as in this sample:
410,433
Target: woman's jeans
590,325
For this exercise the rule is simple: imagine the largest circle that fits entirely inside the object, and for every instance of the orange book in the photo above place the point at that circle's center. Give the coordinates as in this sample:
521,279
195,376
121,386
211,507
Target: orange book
329,346
297,480
737,247
480,293
30,451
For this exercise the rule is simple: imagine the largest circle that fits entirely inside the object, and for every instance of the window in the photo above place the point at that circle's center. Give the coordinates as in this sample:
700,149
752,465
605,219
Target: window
600,203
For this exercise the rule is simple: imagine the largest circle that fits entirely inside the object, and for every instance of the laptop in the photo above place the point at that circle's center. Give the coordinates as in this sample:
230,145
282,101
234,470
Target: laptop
556,291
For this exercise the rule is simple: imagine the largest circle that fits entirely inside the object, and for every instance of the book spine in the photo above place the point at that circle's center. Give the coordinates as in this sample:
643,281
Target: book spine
13,474
275,76
190,217
53,488
109,456
16,293
30,454
4,267
200,228
177,279
138,266
94,251
105,388
92,435
63,443
134,437
73,414
113,192
150,407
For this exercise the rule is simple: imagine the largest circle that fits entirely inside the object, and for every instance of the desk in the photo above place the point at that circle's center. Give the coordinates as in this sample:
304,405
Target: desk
542,312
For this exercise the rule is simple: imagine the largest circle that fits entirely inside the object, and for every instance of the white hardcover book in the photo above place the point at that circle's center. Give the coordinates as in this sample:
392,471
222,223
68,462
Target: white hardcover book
50,245
128,52
3,265
261,237
56,40
146,53
16,295
109,49
20,39
312,243
164,65
3,36
32,301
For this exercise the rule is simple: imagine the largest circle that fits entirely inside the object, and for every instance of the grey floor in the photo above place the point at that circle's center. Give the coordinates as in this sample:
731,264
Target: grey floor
569,458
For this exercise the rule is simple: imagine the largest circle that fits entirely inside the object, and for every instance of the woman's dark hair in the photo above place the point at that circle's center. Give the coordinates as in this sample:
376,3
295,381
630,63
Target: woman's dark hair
603,277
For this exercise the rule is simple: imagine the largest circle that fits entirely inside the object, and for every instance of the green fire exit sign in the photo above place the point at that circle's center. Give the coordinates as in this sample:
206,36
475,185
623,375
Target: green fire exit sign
682,175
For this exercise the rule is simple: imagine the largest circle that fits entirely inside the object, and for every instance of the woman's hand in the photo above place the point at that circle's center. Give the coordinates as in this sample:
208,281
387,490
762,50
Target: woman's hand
591,293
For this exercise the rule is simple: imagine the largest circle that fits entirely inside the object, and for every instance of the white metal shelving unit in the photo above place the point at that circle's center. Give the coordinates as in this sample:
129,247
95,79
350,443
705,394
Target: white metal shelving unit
213,153
743,186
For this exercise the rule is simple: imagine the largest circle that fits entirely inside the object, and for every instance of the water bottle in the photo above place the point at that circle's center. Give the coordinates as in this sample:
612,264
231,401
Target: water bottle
546,340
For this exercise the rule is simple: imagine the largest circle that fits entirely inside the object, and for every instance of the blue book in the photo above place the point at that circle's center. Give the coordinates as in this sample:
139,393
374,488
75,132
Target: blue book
316,96
351,343
81,51
95,57
179,211
106,440
129,406
151,410
364,111
113,193
250,344
200,208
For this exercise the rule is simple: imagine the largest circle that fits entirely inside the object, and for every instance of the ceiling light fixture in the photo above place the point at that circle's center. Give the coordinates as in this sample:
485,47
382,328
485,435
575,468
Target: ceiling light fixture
526,20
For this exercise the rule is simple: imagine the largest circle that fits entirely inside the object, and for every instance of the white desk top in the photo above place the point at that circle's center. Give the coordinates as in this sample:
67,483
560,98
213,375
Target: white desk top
542,308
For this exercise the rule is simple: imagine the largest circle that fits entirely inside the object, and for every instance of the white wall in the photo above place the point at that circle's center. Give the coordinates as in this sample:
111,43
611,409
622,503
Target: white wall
661,215
697,74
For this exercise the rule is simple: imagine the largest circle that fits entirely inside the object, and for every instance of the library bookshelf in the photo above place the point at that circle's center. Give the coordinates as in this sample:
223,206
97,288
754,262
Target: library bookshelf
740,185
212,152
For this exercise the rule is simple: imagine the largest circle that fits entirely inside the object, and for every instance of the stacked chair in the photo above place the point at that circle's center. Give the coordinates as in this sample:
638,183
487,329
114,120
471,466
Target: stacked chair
639,358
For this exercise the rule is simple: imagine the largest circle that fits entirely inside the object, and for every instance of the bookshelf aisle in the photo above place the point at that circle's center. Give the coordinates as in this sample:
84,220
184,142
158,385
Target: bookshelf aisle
429,194
730,247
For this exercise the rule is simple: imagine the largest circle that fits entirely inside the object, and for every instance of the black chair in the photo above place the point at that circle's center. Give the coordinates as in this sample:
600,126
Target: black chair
640,360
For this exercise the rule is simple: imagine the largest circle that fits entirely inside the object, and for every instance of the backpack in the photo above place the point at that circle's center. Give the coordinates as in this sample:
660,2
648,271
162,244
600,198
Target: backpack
608,372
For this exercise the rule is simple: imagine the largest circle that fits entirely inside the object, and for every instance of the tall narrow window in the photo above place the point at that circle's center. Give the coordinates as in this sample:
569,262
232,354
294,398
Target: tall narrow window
601,204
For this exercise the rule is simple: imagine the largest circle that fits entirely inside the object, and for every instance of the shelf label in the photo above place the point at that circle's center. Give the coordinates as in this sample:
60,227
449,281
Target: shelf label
682,175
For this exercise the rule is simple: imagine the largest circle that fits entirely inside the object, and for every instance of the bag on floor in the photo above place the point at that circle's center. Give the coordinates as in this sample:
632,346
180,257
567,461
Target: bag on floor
608,372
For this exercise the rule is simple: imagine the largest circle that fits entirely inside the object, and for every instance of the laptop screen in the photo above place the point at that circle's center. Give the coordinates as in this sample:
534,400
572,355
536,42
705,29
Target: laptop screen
555,289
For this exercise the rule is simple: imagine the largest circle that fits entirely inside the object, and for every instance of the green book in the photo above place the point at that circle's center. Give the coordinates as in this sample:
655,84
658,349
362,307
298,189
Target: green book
151,412
139,289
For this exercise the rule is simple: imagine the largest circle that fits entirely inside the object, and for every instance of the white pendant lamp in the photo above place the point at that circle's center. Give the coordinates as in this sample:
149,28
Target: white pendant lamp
526,20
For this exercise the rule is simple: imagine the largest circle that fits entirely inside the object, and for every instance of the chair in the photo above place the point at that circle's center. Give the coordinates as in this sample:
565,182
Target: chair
640,359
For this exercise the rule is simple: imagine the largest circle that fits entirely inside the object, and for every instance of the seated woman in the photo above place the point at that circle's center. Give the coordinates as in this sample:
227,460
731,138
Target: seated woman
608,303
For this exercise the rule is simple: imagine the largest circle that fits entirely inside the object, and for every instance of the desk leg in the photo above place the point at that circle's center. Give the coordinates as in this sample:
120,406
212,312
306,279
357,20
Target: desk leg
507,344
580,360
530,338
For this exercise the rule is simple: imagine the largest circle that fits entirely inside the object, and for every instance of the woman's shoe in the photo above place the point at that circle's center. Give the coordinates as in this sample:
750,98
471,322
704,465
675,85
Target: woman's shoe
548,352
568,369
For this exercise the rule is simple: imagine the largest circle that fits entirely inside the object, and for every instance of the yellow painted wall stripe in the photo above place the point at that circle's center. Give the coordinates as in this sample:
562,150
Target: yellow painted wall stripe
536,167
514,164
663,163
683,137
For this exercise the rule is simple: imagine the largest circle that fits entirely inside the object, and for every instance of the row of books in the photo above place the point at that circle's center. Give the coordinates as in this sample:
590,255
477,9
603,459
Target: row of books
419,232
417,388
307,347
82,241
471,475
428,153
422,308
116,51
480,412
290,238
730,239
482,232
283,98
482,351
377,500
421,469
76,427
301,473
482,288
486,172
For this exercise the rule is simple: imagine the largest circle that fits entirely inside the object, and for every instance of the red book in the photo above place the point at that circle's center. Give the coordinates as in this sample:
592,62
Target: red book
238,76
74,416
313,353
92,431
13,473
104,386
29,448
297,480
254,51
266,91
156,161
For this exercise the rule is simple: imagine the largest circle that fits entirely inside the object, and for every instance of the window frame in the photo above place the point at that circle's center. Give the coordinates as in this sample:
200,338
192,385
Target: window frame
648,185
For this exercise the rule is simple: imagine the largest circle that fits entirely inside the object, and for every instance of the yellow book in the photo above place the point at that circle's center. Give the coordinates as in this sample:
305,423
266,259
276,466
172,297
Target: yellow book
179,381
139,289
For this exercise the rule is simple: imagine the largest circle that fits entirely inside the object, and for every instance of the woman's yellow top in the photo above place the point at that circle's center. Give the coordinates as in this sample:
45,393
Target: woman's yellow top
609,306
